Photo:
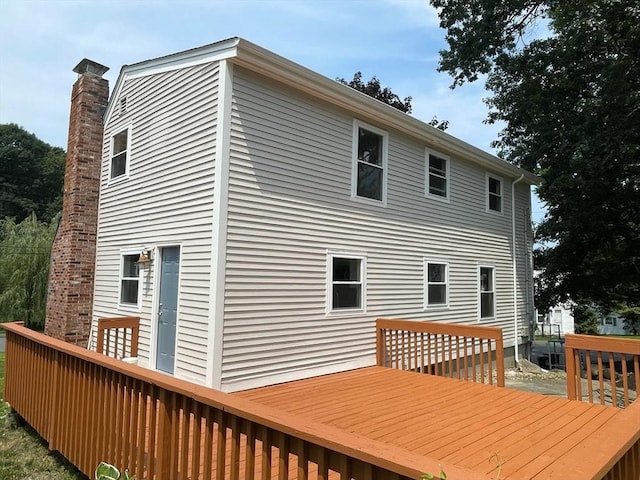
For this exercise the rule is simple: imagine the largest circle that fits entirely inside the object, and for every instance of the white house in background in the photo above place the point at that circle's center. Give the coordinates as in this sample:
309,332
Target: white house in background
556,321
283,212
612,324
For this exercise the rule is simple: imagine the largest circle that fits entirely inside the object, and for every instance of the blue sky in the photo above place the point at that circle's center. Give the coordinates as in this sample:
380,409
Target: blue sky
396,40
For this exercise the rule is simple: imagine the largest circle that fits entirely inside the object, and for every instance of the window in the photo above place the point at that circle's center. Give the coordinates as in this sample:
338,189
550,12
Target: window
436,294
437,175
487,292
119,154
611,321
494,193
347,285
129,280
369,163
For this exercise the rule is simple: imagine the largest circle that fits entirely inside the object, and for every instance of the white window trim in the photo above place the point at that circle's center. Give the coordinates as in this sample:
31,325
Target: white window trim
129,307
427,194
502,199
127,167
329,283
493,282
440,306
357,124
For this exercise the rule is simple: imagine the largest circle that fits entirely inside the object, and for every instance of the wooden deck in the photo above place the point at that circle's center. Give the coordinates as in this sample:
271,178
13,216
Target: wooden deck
464,424
377,423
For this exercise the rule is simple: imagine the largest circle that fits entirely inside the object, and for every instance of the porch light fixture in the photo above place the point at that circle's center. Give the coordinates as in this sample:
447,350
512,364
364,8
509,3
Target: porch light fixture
145,258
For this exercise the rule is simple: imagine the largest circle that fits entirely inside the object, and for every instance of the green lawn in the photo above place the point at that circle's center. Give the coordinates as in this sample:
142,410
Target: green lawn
23,454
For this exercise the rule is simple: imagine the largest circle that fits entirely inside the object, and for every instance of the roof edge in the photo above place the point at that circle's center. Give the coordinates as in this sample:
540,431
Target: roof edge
263,61
256,58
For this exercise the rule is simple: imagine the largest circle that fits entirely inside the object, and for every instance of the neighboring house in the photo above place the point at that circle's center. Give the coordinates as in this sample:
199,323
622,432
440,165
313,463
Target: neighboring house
557,321
283,212
612,324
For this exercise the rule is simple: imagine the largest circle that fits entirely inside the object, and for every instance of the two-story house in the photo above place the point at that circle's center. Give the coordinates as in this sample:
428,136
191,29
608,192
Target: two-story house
283,212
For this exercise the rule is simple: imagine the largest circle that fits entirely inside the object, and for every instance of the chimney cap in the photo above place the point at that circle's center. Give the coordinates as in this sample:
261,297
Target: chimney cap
89,66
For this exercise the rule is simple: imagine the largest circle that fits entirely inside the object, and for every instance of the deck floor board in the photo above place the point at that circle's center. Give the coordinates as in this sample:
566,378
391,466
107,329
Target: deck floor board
460,422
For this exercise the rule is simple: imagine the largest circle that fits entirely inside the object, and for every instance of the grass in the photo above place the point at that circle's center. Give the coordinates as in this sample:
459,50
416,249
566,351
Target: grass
24,454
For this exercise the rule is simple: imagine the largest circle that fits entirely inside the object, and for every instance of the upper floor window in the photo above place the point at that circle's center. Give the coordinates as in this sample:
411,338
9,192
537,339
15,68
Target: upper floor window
120,153
437,182
494,193
436,292
130,280
346,282
369,175
487,293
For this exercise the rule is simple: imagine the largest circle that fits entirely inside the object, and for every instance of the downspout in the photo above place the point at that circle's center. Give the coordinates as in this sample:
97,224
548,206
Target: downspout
514,264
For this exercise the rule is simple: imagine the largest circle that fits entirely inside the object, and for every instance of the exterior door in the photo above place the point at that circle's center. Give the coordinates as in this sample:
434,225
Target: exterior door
167,308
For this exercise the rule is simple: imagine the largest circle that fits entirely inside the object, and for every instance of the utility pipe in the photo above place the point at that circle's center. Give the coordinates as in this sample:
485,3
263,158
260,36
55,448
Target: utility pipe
514,262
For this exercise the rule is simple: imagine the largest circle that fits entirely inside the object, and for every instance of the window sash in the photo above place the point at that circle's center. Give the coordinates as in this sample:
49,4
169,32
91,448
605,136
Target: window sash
487,292
369,174
437,284
119,153
370,178
129,280
346,283
438,178
494,192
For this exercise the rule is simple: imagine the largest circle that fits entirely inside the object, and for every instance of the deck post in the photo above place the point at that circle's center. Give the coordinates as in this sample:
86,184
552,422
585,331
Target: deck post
380,344
571,372
55,401
499,359
165,413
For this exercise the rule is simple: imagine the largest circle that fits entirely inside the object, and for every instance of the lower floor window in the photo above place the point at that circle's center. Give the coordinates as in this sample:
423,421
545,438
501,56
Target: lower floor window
346,283
487,292
129,279
436,293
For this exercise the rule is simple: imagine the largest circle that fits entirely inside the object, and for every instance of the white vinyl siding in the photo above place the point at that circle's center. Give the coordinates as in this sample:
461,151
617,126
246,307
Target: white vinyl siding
290,202
167,200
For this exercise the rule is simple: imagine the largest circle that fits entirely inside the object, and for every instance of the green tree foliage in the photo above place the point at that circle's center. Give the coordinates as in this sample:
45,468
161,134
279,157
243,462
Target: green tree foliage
31,175
565,78
24,268
375,90
385,95
631,317
586,319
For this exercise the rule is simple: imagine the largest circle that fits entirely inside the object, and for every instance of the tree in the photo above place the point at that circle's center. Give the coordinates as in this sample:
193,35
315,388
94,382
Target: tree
631,323
586,319
31,175
24,269
570,99
385,95
375,90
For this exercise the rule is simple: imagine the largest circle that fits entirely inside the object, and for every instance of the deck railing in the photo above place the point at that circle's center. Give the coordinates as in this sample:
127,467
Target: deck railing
93,408
118,337
467,352
610,368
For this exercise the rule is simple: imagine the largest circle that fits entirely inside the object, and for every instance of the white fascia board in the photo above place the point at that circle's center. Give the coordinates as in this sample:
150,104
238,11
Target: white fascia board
260,60
195,56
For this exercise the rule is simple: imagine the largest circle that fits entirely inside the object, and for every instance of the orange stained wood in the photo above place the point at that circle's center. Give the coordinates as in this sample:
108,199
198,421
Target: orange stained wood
118,337
464,424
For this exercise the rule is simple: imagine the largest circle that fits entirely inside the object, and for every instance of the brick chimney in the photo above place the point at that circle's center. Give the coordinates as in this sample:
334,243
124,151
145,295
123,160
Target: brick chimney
71,274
